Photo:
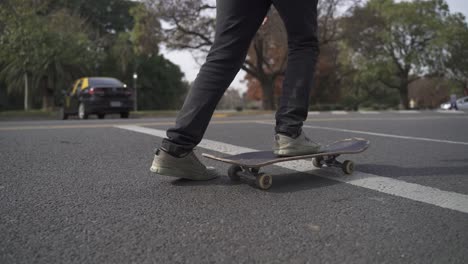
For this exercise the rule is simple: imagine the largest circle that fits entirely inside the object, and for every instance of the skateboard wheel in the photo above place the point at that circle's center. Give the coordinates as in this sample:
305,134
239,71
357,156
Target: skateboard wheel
317,162
264,181
233,172
348,167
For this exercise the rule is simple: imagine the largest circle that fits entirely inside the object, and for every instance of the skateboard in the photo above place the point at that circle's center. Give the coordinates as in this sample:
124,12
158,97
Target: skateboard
248,164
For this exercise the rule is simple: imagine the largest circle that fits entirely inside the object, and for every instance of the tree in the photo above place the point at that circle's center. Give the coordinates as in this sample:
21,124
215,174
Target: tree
40,50
146,32
330,71
105,16
70,53
48,44
160,84
403,39
457,64
267,58
190,25
17,43
141,42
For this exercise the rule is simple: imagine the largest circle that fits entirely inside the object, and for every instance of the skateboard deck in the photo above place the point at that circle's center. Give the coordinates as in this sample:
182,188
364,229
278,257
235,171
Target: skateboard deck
249,164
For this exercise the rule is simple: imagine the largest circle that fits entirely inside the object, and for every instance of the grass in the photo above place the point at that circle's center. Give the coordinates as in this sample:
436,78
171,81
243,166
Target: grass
26,115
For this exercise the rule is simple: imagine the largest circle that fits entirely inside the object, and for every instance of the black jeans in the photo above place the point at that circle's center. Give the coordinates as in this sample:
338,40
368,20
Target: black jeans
237,21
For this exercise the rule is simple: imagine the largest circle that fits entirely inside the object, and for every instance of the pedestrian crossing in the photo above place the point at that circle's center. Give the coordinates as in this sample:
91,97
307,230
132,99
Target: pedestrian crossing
403,112
395,187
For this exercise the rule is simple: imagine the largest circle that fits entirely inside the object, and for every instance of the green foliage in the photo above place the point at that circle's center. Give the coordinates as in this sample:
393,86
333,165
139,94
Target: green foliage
51,50
394,43
146,32
54,42
160,85
105,16
457,64
159,82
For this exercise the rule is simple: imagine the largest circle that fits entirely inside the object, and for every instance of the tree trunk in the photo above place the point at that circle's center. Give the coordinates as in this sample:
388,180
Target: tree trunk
46,94
404,102
268,98
46,103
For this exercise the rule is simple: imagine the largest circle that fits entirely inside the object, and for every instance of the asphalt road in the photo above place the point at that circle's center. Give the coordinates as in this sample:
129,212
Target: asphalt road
81,192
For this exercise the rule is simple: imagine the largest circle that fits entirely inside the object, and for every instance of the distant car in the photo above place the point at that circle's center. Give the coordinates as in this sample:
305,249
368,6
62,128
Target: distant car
99,96
462,104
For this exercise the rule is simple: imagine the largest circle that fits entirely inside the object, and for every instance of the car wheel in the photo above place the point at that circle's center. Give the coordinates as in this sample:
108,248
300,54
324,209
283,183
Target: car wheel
61,114
124,114
82,112
101,116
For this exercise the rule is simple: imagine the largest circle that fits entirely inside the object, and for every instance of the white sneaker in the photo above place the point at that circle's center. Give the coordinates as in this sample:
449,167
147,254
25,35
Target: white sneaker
288,146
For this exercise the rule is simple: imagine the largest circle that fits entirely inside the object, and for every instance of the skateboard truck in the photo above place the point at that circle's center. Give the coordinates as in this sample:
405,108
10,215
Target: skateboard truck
262,181
330,161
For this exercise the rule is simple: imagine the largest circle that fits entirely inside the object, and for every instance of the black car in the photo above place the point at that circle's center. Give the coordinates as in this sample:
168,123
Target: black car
99,96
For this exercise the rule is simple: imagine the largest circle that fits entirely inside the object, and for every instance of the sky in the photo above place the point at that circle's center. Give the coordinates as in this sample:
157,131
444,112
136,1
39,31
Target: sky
190,67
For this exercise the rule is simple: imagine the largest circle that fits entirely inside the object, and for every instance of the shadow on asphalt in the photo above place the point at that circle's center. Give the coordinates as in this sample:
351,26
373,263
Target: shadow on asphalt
397,171
456,160
282,183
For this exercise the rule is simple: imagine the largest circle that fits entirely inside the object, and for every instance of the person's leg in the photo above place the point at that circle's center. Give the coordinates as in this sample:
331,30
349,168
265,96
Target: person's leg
300,19
236,23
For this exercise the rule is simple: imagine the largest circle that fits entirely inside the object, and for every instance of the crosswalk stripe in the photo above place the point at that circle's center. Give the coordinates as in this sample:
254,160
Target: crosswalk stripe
375,134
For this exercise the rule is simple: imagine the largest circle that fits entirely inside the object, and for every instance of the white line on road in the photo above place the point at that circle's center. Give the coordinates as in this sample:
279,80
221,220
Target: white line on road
369,112
208,144
339,112
377,134
412,191
450,111
388,135
407,111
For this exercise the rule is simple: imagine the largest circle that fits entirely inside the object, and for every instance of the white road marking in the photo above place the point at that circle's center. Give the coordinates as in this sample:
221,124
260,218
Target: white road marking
407,111
377,134
369,112
388,135
412,191
450,111
339,112
314,113
208,144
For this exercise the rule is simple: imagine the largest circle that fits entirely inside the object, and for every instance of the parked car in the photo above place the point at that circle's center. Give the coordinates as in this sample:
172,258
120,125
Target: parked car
462,104
99,96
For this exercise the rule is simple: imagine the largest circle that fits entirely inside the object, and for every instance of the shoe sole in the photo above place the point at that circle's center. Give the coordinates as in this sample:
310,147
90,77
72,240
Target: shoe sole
177,173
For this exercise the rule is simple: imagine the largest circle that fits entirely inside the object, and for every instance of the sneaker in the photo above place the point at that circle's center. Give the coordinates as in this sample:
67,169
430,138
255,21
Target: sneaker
187,167
288,146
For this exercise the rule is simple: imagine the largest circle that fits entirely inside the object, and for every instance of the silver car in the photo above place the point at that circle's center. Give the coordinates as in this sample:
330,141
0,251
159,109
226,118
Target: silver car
462,104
